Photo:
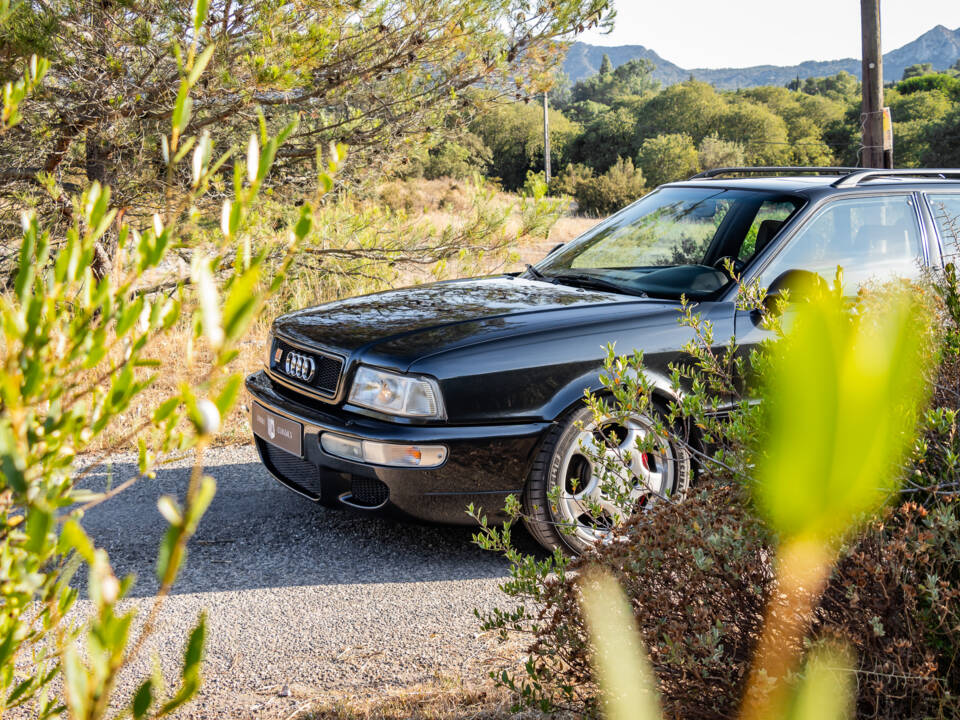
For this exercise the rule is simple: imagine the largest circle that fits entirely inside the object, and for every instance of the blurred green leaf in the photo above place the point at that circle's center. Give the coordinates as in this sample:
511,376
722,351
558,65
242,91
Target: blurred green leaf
165,409
39,523
209,301
142,700
168,560
74,537
170,510
826,691
841,405
190,673
619,662
199,13
200,502
228,395
182,108
201,63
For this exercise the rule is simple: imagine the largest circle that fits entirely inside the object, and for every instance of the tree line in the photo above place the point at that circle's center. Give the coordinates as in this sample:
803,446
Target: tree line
620,130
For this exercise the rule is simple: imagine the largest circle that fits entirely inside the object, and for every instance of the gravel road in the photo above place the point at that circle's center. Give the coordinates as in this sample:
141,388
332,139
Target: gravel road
300,599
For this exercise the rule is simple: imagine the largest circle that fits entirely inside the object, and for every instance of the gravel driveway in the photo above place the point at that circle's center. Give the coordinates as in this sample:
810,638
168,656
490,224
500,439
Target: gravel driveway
301,599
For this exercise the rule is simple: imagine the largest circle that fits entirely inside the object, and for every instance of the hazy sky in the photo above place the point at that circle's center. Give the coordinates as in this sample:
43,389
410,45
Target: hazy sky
738,33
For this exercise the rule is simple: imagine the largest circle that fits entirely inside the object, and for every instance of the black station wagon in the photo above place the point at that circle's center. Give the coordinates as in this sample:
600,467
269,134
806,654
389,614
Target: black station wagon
425,399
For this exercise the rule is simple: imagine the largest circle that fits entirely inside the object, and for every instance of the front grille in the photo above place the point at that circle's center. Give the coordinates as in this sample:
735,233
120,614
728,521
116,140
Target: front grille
313,369
295,472
368,492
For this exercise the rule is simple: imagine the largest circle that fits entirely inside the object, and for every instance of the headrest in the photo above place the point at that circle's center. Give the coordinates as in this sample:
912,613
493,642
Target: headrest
765,233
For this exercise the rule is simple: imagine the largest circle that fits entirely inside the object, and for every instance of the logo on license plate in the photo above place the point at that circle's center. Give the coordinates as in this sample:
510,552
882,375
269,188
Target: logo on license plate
271,428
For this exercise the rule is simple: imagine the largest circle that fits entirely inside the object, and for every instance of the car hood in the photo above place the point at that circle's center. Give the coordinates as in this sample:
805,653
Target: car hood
397,327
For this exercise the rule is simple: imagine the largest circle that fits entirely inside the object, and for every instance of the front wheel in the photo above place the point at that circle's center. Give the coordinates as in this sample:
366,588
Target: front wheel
572,500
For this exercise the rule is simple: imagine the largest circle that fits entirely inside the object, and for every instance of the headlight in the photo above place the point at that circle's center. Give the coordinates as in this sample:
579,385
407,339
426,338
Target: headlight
394,394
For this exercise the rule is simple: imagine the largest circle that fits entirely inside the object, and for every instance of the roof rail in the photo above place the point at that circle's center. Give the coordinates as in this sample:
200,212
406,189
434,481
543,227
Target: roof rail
855,178
719,172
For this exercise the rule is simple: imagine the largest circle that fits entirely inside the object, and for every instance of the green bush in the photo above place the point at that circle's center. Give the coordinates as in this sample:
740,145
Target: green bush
667,158
946,84
717,153
460,159
80,348
698,573
603,194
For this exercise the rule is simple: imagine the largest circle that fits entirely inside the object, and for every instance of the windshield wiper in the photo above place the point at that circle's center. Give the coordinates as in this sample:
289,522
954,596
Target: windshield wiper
591,281
537,275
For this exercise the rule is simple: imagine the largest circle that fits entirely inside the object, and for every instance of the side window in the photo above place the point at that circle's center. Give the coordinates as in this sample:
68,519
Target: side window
946,211
873,238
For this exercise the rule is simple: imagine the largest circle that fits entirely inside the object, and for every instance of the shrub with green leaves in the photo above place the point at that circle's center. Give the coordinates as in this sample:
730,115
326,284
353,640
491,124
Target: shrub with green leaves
698,574
77,353
603,194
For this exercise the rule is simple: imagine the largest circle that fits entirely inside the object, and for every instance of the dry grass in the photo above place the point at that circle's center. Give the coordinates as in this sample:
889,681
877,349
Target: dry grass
434,701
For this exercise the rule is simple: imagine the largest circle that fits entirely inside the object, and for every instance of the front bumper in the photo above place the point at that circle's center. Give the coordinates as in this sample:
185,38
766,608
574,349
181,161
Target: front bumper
484,463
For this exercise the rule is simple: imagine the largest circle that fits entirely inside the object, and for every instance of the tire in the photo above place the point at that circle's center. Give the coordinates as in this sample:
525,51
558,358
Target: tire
561,463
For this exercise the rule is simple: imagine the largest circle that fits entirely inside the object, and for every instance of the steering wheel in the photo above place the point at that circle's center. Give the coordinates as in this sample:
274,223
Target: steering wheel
737,265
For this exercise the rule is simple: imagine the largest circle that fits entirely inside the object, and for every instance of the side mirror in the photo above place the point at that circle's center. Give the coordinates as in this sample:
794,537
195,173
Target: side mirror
798,285
554,249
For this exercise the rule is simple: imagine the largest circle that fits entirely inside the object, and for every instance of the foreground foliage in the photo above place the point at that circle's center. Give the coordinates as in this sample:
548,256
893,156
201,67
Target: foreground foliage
698,576
78,352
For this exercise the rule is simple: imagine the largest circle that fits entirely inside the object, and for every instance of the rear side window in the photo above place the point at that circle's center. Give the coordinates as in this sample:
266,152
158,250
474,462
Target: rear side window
875,238
770,218
946,211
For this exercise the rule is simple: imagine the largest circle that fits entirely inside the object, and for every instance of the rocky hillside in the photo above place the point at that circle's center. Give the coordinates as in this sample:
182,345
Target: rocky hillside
940,46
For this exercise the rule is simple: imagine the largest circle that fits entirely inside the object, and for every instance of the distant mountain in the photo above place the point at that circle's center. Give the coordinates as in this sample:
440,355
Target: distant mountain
939,46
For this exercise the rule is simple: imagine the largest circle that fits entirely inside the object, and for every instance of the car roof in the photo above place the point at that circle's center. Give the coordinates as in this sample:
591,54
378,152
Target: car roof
784,184
806,181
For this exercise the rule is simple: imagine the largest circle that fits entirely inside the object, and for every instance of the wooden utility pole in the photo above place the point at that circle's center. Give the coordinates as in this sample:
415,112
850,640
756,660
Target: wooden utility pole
546,138
872,109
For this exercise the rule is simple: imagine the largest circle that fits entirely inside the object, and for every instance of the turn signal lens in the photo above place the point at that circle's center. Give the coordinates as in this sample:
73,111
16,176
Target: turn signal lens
378,453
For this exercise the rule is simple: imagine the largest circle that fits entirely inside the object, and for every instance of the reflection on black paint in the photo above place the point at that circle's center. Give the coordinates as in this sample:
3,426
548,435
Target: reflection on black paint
352,323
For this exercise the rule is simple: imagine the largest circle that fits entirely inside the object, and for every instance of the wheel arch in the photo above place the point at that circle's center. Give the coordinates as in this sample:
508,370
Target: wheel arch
569,397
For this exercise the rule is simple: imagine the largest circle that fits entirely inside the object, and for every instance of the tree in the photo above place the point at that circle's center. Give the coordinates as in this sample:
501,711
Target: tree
842,86
913,115
690,108
942,82
458,158
762,133
606,67
717,153
606,139
514,134
942,142
666,158
366,73
917,70
634,77
79,352
585,112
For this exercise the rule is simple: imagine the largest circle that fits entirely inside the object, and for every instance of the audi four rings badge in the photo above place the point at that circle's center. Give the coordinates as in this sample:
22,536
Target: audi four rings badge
299,366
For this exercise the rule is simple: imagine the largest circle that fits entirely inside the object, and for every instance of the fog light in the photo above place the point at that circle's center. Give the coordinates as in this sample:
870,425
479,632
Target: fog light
378,453
342,446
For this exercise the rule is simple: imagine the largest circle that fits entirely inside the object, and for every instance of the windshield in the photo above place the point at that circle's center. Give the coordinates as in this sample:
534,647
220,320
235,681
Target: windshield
673,242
